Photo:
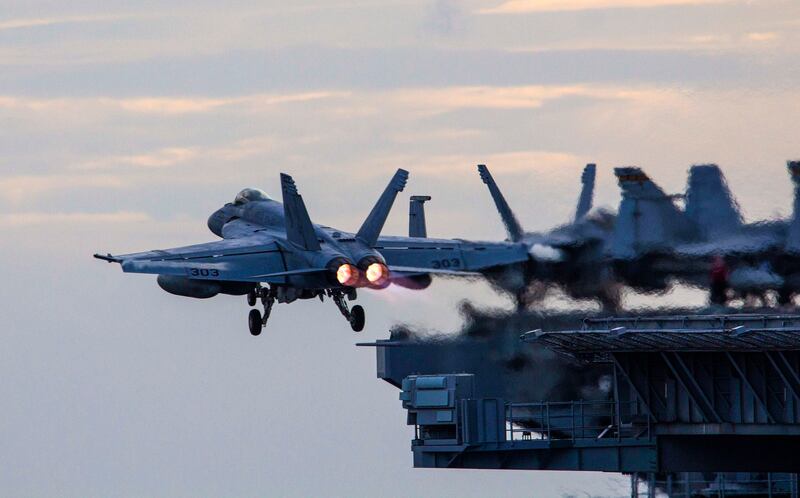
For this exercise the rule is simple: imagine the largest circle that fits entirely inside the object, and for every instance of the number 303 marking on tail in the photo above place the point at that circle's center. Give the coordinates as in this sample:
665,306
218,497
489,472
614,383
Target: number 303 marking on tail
203,272
446,263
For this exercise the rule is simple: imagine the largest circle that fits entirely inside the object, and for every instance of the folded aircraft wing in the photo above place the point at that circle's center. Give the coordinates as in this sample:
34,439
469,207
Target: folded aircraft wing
246,259
742,244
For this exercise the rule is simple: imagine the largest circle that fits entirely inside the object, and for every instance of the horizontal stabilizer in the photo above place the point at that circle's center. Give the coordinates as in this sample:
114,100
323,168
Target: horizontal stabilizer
513,227
299,229
371,229
587,191
416,216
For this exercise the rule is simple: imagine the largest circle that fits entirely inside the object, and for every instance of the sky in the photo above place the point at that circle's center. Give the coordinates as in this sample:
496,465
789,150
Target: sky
125,124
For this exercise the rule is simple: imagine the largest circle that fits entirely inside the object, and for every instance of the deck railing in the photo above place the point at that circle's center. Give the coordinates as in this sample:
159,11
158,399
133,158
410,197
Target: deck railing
572,420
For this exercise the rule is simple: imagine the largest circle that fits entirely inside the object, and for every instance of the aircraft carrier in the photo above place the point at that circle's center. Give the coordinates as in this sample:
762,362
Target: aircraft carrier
688,403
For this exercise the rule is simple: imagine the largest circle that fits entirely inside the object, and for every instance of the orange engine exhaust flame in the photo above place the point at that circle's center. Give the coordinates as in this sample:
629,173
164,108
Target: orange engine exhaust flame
348,275
377,274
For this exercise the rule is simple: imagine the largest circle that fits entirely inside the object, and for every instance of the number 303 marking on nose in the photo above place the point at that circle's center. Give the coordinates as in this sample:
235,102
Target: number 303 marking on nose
203,272
446,263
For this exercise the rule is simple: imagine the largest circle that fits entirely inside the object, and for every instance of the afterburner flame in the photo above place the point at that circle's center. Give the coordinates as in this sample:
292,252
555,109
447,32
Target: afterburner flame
377,273
348,274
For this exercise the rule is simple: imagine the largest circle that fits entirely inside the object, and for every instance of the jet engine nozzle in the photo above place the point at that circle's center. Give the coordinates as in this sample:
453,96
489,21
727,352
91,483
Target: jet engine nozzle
378,274
348,275
375,273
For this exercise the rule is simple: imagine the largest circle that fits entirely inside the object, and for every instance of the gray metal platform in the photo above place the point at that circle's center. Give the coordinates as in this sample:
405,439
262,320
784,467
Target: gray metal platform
598,338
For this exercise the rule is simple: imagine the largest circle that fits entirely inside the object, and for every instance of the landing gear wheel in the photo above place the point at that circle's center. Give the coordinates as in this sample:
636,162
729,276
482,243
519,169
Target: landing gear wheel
252,297
357,318
254,322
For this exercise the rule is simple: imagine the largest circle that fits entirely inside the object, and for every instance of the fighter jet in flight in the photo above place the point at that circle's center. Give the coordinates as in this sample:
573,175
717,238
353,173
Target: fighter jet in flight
273,243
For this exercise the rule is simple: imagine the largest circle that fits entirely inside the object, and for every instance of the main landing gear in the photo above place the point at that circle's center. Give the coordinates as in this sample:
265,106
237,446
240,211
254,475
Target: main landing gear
355,316
255,321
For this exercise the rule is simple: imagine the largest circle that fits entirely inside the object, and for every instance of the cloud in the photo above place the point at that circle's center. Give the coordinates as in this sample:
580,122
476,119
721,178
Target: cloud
710,39
164,105
436,100
752,40
40,218
393,119
762,37
525,6
527,162
173,156
161,158
167,105
164,157
17,189
53,21
438,135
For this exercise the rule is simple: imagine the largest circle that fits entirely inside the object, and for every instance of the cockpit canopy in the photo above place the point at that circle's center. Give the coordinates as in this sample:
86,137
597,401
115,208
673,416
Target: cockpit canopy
250,195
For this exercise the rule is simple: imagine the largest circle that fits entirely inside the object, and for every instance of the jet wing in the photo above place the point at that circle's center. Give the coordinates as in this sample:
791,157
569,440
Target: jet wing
246,259
417,256
411,271
735,245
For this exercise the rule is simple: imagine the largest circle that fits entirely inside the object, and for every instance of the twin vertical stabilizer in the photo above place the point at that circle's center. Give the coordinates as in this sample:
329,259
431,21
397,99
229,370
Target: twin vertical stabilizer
793,238
648,219
709,202
587,191
513,227
371,229
299,229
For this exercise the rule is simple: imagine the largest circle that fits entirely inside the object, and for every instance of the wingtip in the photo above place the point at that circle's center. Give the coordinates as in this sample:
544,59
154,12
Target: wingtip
287,183
107,258
630,174
400,179
483,171
588,172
